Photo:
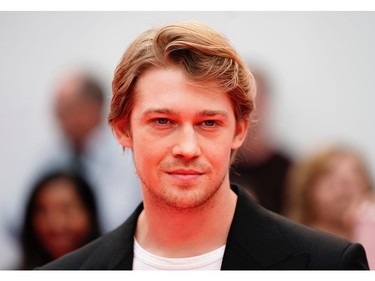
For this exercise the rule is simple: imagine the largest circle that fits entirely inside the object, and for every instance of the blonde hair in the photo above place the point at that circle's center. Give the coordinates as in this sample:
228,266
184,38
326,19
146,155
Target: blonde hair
204,54
304,175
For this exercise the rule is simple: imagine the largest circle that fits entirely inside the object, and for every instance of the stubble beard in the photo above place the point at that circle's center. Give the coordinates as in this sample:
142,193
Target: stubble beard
183,197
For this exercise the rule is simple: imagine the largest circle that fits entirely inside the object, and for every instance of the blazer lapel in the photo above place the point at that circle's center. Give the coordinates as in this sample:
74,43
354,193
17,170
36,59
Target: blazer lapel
116,249
254,241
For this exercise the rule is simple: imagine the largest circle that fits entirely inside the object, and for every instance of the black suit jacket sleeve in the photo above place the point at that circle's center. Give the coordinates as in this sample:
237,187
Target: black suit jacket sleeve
354,257
260,239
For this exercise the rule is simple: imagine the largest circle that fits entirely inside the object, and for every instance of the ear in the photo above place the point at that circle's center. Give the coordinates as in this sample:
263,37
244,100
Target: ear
240,134
122,132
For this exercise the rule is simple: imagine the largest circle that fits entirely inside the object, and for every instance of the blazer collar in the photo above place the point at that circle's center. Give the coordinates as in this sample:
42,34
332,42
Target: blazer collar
254,241
116,249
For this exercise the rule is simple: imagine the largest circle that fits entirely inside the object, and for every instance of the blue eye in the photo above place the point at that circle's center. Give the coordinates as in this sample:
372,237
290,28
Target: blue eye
162,121
209,123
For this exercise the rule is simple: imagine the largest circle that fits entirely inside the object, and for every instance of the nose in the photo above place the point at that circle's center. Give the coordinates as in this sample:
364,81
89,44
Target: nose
56,221
186,144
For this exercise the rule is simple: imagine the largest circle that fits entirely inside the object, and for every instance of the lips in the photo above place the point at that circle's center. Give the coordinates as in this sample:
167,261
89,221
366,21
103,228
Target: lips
185,174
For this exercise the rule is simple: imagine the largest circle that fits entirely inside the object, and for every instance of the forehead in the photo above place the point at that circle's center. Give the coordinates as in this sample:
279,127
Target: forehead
170,87
59,187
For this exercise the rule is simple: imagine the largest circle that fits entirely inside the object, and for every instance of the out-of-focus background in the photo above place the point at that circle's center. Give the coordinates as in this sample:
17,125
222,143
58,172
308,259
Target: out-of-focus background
319,67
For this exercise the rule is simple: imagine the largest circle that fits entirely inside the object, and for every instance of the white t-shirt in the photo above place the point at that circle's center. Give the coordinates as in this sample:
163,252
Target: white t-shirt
144,260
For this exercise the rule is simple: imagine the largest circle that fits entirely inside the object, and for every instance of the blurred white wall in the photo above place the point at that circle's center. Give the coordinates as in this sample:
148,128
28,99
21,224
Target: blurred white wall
321,65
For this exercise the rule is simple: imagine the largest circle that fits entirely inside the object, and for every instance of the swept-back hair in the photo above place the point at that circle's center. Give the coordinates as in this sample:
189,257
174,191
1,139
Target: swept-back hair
201,52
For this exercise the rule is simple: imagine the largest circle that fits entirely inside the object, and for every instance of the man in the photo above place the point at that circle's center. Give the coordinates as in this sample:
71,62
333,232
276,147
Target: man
181,102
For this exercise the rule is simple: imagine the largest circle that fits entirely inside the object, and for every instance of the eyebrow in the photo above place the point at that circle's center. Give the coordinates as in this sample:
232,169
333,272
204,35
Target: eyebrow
203,113
160,110
212,113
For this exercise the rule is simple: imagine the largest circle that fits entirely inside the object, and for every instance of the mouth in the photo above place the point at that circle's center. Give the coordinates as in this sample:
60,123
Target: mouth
185,174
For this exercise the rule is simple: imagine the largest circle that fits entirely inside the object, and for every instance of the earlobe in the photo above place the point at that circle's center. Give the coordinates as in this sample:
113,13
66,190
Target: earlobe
240,135
122,133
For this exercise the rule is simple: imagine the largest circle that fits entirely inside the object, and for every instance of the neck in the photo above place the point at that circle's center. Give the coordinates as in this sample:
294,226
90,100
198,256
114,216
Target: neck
173,233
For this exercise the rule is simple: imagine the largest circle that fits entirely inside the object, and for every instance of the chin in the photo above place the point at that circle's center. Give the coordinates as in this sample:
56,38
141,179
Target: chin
186,198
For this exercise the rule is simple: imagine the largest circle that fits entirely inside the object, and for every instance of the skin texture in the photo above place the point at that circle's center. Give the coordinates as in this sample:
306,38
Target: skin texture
182,135
60,220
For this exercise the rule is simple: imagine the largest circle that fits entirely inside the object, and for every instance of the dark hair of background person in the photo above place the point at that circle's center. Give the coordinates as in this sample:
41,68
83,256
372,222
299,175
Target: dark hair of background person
34,253
92,90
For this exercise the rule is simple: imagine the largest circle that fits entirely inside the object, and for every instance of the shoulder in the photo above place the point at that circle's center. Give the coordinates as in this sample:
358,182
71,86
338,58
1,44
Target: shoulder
275,241
325,250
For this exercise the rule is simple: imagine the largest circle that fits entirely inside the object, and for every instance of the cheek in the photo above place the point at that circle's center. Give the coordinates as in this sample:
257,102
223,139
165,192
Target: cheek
218,159
218,151
41,226
80,225
147,147
321,195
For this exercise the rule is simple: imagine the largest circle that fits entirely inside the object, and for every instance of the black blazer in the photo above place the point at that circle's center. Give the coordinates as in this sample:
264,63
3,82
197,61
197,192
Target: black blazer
258,239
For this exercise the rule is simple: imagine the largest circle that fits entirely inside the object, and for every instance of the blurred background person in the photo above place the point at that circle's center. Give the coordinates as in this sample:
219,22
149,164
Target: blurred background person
327,188
88,146
331,190
60,216
260,166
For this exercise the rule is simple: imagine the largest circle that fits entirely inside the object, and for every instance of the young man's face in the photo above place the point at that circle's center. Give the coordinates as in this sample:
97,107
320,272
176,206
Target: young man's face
181,135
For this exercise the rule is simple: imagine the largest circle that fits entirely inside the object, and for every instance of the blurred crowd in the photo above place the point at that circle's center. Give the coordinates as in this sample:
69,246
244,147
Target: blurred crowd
86,185
329,189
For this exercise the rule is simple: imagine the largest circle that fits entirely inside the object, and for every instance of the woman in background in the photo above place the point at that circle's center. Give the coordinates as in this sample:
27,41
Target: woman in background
327,189
332,191
61,216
